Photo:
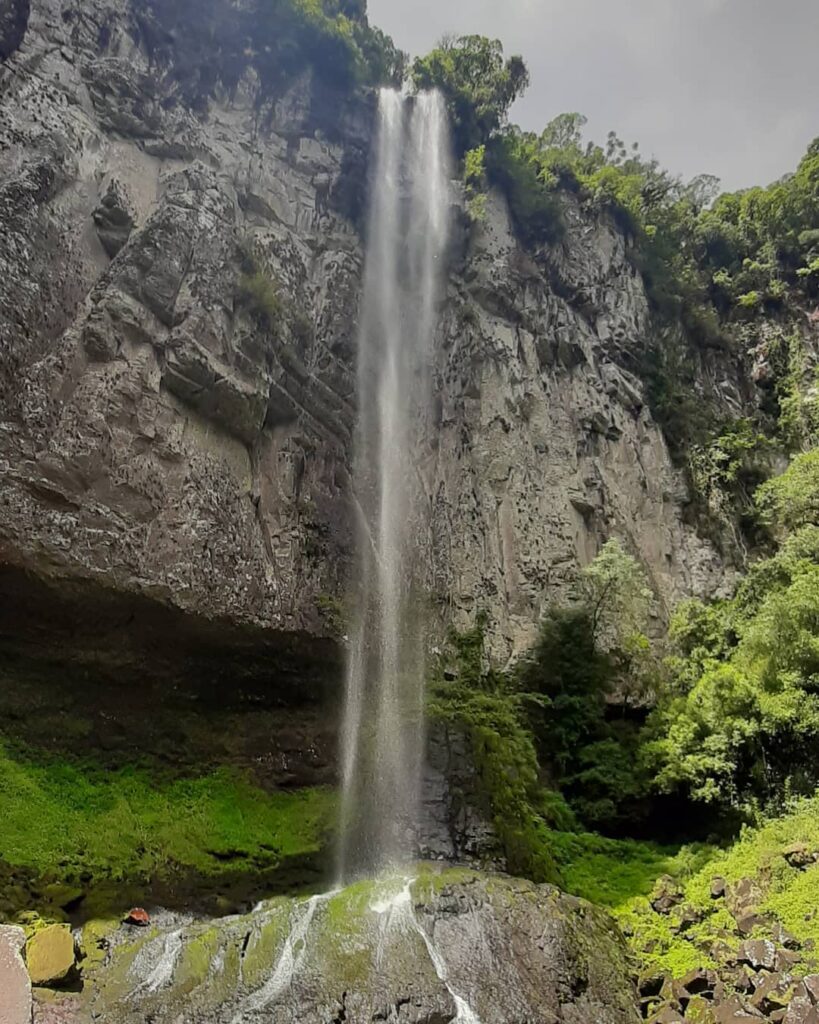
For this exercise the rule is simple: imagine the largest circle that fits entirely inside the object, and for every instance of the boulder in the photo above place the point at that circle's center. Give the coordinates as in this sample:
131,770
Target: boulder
511,950
736,1011
774,992
759,953
50,955
718,886
15,986
811,983
798,855
667,895
698,981
801,1011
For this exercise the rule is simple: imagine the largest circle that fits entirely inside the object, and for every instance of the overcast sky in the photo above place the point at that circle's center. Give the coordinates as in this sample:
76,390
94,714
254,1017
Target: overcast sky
726,87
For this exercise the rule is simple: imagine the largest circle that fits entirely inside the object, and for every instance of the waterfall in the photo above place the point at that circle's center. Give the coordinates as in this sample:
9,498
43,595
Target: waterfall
382,731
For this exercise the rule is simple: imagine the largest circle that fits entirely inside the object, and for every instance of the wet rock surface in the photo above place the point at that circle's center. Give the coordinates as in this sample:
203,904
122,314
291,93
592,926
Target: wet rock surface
511,950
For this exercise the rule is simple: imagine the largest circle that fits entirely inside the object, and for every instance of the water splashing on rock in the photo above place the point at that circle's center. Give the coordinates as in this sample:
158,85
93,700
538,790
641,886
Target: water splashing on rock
398,912
383,721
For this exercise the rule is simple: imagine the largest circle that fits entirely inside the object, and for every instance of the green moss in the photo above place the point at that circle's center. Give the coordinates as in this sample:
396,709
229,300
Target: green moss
266,942
73,820
196,959
622,874
94,939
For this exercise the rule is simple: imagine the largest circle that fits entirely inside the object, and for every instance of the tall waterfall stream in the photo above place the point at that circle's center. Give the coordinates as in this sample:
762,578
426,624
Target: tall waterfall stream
383,734
383,725
383,730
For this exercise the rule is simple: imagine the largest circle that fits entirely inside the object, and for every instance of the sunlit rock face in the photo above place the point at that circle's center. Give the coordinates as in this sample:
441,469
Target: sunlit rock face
546,445
441,948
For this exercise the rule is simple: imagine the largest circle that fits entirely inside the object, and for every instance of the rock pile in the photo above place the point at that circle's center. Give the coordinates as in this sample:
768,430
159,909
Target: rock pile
757,970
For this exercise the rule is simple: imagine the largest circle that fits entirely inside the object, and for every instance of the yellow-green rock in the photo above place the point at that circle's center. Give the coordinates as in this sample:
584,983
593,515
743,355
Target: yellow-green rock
50,955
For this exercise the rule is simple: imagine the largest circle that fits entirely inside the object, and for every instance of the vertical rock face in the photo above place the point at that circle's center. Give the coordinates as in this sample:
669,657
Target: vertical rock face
177,347
158,432
546,446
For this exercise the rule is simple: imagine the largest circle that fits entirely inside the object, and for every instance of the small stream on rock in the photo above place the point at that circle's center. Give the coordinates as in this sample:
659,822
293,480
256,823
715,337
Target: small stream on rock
400,913
290,959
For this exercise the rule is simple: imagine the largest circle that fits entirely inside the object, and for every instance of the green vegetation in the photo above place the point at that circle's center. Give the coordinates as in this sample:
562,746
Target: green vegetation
478,84
82,824
737,722
548,718
258,294
492,712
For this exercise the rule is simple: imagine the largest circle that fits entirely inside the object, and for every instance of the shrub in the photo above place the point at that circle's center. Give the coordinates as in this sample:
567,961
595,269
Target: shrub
259,296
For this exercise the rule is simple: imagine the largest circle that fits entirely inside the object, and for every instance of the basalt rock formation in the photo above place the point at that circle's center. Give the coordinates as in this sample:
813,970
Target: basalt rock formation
165,435
390,951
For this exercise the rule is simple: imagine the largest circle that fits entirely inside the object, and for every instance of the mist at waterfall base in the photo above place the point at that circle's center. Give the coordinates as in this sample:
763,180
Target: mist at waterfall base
383,725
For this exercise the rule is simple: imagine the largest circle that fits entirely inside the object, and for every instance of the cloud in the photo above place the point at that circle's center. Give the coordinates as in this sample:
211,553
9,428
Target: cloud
726,87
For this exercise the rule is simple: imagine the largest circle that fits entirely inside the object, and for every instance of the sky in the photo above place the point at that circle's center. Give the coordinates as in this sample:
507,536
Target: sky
724,87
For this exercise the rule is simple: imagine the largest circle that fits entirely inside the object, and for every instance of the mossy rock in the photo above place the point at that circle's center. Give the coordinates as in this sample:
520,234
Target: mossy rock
50,956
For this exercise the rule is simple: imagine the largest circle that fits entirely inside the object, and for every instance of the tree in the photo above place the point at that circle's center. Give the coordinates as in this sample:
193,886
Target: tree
791,500
617,594
478,84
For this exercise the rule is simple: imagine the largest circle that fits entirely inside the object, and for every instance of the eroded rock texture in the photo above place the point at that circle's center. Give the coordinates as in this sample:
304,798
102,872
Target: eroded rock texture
545,444
511,950
166,437
157,433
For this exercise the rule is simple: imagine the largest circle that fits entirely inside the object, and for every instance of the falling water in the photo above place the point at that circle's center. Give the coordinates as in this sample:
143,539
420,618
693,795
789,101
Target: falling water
383,720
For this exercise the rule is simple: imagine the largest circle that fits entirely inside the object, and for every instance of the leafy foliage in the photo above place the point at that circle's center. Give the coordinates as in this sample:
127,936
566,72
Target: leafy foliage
582,655
791,500
487,707
478,84
738,720
280,39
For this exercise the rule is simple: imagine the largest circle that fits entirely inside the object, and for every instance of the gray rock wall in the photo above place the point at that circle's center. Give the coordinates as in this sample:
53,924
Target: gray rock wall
159,436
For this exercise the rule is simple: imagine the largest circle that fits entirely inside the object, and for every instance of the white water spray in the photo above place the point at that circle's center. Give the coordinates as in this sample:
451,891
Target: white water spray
382,739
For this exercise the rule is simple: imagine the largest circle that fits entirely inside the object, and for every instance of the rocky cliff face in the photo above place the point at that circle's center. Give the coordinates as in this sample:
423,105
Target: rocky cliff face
545,444
156,437
179,275
162,438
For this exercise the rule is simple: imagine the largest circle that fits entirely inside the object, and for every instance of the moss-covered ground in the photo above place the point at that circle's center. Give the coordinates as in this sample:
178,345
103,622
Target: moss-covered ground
74,828
622,875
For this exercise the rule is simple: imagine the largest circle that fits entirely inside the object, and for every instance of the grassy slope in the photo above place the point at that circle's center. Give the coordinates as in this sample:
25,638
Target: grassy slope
621,875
